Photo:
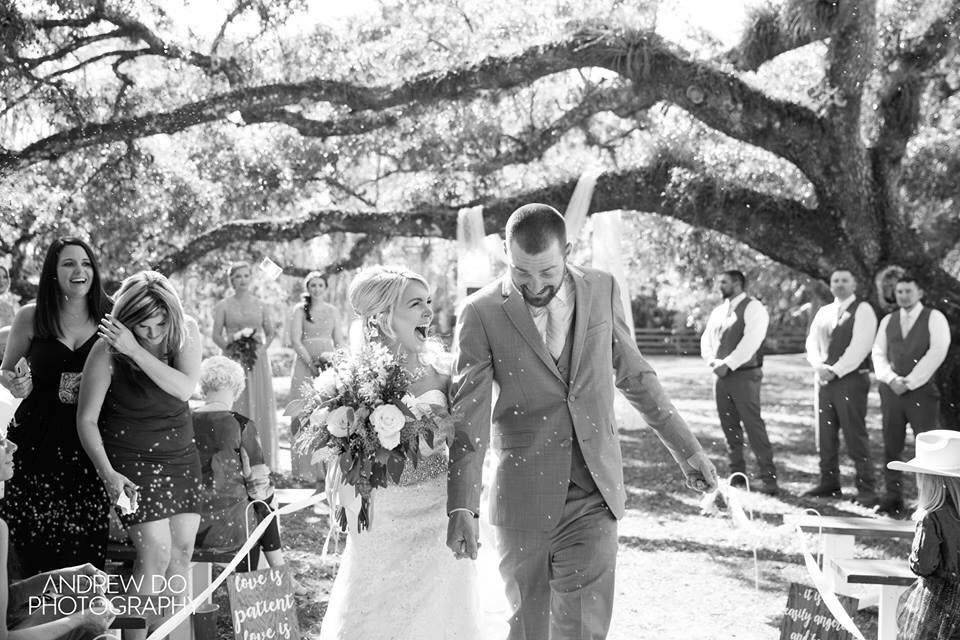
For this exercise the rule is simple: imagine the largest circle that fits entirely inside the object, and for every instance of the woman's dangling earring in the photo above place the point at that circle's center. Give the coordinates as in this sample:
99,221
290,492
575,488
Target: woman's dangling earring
372,330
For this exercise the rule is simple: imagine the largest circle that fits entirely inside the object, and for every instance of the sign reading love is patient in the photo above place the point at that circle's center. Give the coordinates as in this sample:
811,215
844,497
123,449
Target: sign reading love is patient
808,618
262,606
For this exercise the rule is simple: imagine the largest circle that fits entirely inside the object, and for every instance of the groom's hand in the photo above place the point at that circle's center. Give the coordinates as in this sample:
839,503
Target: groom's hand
463,534
700,473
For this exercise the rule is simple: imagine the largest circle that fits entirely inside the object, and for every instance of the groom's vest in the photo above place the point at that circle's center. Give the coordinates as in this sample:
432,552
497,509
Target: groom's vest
579,474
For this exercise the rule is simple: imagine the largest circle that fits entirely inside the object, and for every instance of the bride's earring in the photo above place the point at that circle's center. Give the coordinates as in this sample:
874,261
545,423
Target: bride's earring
372,330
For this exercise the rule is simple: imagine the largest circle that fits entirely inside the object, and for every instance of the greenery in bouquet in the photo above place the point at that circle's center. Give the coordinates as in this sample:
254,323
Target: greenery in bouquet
243,347
360,414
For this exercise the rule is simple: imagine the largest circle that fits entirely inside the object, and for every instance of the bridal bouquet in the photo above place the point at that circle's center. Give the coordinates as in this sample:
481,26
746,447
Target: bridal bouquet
360,414
243,347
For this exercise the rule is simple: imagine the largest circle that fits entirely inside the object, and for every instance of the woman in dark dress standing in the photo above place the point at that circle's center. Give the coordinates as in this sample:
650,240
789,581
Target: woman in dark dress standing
135,425
55,506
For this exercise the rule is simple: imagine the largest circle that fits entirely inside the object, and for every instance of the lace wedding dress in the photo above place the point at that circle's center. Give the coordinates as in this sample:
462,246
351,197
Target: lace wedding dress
398,580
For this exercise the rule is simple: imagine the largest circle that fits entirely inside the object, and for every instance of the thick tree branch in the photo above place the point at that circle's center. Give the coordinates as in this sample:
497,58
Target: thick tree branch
719,99
902,90
783,229
130,28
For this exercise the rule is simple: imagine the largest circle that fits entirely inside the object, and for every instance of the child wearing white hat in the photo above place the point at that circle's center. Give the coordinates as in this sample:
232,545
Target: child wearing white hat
931,610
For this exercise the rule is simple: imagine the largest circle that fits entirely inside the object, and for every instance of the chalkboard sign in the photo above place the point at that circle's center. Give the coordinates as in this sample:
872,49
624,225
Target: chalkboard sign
262,606
808,618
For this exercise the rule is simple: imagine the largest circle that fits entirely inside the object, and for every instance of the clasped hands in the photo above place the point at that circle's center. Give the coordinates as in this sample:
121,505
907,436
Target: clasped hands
720,368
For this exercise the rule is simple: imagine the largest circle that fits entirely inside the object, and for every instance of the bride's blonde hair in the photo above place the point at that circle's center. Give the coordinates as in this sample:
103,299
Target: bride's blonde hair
374,295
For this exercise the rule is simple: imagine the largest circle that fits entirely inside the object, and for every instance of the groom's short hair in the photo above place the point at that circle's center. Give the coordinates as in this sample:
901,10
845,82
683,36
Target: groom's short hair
535,226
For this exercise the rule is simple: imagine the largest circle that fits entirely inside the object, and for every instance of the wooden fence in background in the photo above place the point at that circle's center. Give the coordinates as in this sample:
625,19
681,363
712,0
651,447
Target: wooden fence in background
686,342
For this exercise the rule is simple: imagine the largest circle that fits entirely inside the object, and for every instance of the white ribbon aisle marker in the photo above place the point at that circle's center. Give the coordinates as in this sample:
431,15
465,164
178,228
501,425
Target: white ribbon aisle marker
741,521
176,619
820,582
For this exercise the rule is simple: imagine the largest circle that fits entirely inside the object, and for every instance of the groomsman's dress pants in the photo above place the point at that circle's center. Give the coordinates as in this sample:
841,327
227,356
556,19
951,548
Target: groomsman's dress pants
921,408
738,403
559,582
843,408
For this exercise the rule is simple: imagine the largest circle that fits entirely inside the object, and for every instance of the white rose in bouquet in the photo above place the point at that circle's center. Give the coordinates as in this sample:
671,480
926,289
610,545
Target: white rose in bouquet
387,421
319,416
339,421
326,383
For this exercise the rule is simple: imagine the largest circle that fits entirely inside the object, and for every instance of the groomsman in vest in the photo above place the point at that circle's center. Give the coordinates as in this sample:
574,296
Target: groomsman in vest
731,345
838,349
911,345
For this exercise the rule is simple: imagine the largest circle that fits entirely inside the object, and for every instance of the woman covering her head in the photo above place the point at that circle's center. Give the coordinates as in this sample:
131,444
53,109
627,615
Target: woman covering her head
136,427
315,333
242,313
56,506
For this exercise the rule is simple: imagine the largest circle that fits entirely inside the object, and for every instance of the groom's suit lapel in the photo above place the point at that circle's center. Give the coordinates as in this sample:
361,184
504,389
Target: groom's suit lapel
581,319
516,310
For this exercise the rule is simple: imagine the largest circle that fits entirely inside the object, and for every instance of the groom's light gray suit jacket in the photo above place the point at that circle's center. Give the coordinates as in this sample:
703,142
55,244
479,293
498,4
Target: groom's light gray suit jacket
498,345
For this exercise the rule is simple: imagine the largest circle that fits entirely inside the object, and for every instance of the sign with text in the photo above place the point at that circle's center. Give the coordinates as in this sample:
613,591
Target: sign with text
262,606
808,618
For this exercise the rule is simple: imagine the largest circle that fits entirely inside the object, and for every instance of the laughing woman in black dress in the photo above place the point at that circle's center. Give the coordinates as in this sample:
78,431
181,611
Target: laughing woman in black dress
55,506
135,425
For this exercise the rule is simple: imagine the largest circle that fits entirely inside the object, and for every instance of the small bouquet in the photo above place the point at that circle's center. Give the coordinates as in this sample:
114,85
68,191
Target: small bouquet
323,361
243,347
359,413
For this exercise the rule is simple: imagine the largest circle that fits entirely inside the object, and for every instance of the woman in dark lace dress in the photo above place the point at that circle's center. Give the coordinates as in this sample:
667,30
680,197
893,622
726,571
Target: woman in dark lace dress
55,506
136,426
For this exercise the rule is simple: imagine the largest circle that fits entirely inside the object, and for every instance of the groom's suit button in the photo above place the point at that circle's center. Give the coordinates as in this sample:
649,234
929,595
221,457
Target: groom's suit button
571,398
565,442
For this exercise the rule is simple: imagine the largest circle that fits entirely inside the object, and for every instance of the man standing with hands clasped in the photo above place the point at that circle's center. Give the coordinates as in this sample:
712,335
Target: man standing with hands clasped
550,337
911,345
838,349
731,344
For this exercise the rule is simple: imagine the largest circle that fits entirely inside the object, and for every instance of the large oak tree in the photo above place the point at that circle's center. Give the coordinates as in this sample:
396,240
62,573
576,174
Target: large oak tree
429,106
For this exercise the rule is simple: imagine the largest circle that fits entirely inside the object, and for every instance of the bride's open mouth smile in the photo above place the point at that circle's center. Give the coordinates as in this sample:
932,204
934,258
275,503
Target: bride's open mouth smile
421,331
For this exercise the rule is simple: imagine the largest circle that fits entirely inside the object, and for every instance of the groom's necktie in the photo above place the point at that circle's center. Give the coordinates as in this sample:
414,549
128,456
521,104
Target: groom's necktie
556,332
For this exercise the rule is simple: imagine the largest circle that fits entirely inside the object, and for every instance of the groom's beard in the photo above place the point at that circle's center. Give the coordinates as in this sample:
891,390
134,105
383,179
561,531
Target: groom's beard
542,298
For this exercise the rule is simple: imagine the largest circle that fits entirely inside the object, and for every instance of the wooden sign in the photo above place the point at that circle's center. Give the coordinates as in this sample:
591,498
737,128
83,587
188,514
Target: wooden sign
262,606
808,618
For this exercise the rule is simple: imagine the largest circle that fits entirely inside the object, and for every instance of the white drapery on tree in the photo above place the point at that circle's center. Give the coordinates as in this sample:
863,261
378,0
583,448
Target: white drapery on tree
607,230
607,234
473,259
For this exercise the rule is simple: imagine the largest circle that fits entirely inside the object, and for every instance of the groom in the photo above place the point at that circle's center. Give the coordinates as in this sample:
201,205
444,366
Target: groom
550,337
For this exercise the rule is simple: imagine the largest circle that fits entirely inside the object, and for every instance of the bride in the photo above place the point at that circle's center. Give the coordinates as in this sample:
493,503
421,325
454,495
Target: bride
398,579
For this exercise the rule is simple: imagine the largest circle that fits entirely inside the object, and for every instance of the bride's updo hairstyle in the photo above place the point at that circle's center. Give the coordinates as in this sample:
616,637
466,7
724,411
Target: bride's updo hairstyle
374,295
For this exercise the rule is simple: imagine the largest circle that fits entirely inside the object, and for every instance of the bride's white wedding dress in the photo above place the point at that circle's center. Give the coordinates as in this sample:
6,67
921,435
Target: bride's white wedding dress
398,580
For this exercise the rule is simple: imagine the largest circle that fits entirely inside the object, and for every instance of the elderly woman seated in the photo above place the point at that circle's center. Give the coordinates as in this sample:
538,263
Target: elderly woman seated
233,467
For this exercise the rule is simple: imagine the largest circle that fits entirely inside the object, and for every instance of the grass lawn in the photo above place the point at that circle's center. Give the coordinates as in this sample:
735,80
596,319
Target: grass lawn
680,574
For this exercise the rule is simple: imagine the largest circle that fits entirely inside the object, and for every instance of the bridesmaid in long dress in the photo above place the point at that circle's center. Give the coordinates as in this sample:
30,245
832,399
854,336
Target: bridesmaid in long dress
240,311
56,506
315,332
8,303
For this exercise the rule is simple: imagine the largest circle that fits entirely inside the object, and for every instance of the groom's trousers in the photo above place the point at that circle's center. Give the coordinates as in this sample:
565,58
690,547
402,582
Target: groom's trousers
560,582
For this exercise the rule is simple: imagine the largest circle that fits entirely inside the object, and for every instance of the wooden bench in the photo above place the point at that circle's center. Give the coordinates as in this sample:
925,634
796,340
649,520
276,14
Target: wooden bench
893,577
840,534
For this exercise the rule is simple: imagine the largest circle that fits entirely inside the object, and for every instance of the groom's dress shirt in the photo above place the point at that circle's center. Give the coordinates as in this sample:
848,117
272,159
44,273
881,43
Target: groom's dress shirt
553,321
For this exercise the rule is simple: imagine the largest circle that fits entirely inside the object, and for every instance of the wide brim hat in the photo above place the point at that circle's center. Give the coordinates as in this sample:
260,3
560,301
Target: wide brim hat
938,452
